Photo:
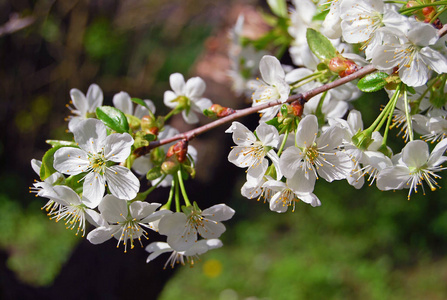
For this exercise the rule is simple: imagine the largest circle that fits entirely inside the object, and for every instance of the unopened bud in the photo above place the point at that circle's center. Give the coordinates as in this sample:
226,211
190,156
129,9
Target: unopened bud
169,167
297,108
342,66
180,149
219,111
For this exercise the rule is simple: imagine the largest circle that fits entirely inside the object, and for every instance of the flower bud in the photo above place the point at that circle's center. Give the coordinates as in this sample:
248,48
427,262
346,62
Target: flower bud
180,149
342,66
362,140
169,167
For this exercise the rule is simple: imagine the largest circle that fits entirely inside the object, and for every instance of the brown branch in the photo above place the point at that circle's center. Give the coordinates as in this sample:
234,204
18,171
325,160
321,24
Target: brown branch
304,97
442,31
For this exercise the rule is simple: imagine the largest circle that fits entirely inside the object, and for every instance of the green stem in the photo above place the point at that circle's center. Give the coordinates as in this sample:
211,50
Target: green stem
177,196
170,114
409,10
182,187
393,102
286,135
408,115
171,196
143,195
435,17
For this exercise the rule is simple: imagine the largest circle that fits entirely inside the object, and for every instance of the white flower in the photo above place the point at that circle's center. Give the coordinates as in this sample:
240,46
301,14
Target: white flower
331,26
188,95
46,188
251,149
125,222
97,151
176,257
284,196
85,106
123,102
314,156
412,54
414,166
182,228
74,210
273,87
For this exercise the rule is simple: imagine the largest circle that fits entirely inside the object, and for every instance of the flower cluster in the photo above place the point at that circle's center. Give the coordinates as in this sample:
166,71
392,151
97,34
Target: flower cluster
308,128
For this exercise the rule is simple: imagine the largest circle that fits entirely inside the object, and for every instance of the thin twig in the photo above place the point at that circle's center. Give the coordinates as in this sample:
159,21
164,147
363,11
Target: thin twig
304,97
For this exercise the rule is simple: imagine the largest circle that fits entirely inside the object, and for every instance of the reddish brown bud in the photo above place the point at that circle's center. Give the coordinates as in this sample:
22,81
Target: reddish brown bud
342,66
221,111
180,149
297,108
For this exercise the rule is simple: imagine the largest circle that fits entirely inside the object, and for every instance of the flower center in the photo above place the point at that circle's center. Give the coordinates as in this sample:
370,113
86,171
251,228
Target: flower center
312,154
97,163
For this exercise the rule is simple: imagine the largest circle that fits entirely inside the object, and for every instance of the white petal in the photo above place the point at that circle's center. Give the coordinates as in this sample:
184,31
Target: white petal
242,136
122,102
168,99
79,101
177,84
271,69
307,131
156,249
90,135
435,157
71,161
140,210
66,196
393,178
113,209
290,161
415,154
195,87
94,97
93,189
211,229
218,212
302,182
122,182
268,135
117,146
100,234
190,117
36,165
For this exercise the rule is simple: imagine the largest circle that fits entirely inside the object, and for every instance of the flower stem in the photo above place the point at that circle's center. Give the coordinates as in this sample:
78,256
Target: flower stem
286,135
177,196
182,187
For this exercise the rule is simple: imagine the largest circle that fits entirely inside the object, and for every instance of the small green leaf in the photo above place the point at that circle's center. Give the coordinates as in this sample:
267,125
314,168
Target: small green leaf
150,137
278,7
75,182
113,118
47,162
154,173
56,143
373,82
139,101
320,45
320,16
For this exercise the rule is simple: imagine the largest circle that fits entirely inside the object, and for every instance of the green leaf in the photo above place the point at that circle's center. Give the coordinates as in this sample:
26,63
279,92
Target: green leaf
150,137
139,101
373,82
47,162
321,15
56,143
278,7
113,118
75,182
154,173
320,45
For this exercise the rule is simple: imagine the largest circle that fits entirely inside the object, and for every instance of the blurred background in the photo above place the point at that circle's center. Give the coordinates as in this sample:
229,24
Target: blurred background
360,244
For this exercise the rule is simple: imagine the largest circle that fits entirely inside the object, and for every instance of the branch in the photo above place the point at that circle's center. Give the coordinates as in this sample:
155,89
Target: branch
304,97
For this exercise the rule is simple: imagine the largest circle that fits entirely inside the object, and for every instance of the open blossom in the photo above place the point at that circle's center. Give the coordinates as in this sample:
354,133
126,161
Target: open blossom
73,209
314,156
97,151
179,257
188,96
182,228
273,87
84,106
411,53
415,166
252,149
125,222
283,196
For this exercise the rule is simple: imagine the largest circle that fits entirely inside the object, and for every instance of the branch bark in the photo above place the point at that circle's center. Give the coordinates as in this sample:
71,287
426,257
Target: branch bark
304,97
